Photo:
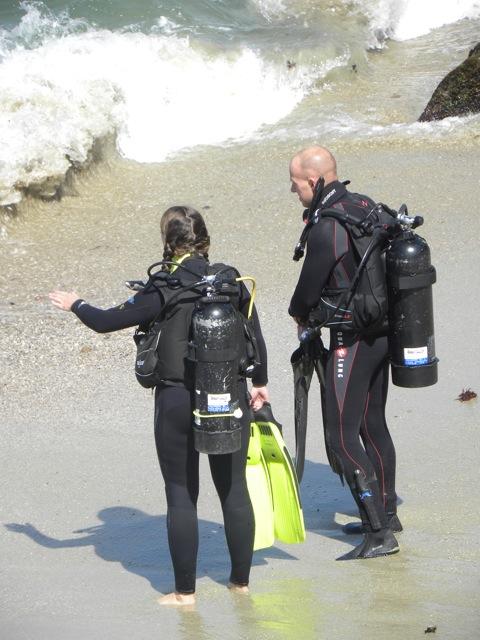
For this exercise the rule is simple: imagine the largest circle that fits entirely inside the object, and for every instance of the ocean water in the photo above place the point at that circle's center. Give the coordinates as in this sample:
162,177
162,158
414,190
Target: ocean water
160,78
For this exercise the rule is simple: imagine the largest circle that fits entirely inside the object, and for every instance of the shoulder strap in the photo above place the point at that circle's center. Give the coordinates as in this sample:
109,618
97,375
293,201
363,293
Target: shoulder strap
218,267
364,223
339,215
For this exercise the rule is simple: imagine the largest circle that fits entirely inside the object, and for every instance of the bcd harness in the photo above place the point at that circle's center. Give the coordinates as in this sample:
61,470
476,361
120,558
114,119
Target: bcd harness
362,306
202,341
390,291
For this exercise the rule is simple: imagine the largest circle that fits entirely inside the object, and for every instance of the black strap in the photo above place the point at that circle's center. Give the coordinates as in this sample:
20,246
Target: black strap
299,251
338,214
343,217
417,281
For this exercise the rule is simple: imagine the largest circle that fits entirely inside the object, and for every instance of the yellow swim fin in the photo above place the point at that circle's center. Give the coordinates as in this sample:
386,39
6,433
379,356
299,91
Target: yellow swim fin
258,482
287,507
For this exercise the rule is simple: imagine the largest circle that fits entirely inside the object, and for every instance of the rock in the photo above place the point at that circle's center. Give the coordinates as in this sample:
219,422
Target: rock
458,94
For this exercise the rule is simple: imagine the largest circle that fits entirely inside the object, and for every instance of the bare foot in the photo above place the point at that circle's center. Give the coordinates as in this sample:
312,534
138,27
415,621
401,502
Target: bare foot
238,588
177,599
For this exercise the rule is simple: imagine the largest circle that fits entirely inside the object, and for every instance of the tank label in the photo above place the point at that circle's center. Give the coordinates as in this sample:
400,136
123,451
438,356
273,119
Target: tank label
413,356
218,402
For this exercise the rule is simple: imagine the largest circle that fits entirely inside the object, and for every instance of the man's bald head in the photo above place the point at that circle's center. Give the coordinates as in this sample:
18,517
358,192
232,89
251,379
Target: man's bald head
307,167
317,161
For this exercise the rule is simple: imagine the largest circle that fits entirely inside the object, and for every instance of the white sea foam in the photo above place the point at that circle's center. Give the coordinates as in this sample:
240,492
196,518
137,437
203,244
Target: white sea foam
418,17
54,103
406,19
158,93
64,85
342,126
197,99
38,24
270,8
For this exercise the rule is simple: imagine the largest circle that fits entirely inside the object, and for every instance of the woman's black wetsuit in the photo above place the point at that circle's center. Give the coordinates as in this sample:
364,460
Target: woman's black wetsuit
356,377
177,455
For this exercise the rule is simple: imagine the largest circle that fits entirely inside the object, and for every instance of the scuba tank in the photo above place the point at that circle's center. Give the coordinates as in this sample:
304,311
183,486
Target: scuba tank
219,347
216,334
224,351
410,276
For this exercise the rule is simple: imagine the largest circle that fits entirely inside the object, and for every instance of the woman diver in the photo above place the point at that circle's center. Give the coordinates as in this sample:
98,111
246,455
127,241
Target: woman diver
186,244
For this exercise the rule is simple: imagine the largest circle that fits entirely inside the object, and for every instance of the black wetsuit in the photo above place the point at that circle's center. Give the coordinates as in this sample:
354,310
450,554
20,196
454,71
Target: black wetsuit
356,379
177,455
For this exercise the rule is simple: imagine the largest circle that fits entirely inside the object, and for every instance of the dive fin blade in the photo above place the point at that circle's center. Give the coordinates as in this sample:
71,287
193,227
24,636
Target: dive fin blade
320,364
260,490
289,525
302,366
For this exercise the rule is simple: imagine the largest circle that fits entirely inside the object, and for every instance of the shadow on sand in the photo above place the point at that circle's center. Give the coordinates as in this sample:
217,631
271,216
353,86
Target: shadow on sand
138,541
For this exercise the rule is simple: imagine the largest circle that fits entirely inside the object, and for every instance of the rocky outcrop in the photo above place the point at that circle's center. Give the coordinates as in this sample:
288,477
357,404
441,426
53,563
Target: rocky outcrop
458,94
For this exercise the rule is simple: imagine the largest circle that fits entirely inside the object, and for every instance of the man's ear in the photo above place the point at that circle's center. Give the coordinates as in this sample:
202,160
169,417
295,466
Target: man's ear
312,183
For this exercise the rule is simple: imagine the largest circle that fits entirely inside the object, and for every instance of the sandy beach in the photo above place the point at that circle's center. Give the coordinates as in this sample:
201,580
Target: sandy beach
82,525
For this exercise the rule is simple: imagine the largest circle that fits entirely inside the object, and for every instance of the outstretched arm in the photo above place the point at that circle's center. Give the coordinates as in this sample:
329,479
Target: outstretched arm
141,308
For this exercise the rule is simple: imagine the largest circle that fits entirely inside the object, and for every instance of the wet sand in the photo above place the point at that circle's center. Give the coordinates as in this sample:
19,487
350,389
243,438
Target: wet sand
78,458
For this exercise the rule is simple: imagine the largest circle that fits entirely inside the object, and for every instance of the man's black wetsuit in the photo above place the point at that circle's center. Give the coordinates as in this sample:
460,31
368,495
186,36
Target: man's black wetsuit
175,447
356,379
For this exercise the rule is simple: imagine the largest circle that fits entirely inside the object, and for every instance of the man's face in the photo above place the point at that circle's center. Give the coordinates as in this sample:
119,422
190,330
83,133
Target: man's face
301,184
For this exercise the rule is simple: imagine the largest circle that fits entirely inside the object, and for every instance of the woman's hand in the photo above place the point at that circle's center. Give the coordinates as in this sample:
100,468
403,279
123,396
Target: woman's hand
258,395
63,299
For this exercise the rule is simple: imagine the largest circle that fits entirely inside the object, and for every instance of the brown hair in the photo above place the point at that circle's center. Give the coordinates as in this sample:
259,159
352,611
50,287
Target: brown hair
183,231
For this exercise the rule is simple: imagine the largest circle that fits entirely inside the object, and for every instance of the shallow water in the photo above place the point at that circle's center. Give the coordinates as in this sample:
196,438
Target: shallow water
160,80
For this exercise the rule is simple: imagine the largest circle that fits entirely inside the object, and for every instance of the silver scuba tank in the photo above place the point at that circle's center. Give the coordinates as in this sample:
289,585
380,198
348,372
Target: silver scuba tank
215,345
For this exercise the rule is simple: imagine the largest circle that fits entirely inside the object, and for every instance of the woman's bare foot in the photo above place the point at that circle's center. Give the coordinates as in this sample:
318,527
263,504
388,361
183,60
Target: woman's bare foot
177,599
238,588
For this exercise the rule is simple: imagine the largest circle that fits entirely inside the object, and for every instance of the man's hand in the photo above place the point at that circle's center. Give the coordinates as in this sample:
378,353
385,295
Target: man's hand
259,395
302,323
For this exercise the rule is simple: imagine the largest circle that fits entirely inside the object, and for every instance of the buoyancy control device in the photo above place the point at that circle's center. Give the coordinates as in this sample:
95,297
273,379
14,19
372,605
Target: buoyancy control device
393,282
221,350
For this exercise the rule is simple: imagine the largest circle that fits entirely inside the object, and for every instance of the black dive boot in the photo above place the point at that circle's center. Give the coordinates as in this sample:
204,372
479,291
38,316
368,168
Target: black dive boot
379,539
375,544
358,528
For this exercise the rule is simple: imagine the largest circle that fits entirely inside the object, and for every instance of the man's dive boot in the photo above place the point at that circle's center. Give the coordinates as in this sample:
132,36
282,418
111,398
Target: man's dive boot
357,528
375,544
378,539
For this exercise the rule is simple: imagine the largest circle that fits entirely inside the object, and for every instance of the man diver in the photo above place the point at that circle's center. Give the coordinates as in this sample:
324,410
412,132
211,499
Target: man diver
356,369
